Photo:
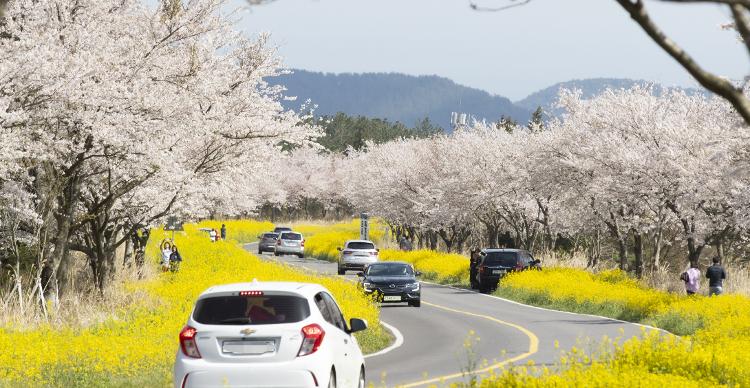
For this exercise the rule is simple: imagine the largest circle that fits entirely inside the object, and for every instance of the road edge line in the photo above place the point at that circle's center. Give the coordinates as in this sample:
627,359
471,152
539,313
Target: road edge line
395,345
552,310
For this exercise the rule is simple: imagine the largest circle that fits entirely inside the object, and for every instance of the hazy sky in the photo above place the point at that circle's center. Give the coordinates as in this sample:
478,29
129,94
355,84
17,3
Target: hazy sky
511,53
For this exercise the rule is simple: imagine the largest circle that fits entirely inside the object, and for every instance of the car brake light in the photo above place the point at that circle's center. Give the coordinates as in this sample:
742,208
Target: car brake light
313,337
347,252
187,342
302,244
373,253
251,293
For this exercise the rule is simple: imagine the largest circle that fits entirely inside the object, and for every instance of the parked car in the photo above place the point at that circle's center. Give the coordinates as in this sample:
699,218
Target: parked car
280,229
496,263
356,255
267,242
290,243
392,282
269,334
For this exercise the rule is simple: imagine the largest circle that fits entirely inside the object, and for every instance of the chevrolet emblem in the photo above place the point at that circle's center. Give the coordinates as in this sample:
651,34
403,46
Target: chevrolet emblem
247,331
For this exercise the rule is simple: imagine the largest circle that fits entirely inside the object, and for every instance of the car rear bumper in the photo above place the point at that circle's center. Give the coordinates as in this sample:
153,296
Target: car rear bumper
266,247
358,263
199,373
290,250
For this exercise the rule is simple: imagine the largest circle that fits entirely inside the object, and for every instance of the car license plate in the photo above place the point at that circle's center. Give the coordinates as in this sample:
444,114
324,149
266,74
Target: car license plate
248,347
498,272
392,298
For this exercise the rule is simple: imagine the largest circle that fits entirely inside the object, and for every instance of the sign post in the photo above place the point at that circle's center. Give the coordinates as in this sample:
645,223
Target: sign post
364,226
173,224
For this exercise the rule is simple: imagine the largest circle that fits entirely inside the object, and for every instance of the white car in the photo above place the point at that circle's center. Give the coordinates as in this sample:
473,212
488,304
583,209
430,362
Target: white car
356,255
269,334
290,243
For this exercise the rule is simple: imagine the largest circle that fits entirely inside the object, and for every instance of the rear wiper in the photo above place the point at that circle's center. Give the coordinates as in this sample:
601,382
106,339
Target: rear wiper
236,320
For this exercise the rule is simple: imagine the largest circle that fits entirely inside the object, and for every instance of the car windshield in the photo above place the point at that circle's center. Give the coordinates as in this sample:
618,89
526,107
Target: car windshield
291,236
270,235
360,245
251,310
505,259
390,270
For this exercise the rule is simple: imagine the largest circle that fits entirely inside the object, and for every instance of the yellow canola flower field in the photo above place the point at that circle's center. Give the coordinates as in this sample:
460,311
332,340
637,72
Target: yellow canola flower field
714,351
137,347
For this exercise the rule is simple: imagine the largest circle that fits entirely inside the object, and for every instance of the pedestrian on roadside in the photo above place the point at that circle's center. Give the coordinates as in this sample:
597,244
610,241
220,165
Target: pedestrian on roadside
174,259
212,235
692,278
474,258
716,276
223,232
166,253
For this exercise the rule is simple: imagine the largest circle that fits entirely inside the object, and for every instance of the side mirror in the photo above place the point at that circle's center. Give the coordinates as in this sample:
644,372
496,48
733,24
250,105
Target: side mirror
356,324
417,273
377,250
360,274
338,249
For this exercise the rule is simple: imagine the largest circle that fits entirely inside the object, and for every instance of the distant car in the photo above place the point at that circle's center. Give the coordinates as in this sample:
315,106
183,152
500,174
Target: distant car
290,243
266,334
267,242
496,263
392,282
280,229
356,255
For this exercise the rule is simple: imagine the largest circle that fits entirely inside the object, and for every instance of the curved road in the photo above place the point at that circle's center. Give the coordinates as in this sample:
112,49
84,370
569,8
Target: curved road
435,334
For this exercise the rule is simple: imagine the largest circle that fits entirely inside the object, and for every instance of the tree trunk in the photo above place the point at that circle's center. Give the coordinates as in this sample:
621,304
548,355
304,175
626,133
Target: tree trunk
55,278
622,246
694,251
127,257
638,253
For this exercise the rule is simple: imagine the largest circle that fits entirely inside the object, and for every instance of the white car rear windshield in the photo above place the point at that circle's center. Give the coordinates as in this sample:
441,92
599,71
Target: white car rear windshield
360,245
251,310
291,236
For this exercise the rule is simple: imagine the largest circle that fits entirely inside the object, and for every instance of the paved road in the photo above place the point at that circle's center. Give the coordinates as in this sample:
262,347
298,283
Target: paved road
434,334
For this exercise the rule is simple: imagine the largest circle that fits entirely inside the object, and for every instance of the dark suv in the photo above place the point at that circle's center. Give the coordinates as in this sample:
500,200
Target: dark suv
496,263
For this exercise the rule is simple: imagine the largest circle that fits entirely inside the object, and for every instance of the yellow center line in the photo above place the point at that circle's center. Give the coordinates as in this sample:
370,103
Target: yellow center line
533,347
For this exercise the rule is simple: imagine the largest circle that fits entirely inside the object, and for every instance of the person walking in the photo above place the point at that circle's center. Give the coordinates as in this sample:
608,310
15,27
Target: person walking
223,232
692,278
716,276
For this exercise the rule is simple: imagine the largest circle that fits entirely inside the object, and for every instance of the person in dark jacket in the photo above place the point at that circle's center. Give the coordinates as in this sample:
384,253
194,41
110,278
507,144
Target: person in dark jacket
716,276
474,259
223,232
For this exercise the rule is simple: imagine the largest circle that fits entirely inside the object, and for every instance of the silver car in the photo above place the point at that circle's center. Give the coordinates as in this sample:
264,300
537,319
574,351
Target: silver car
290,243
356,255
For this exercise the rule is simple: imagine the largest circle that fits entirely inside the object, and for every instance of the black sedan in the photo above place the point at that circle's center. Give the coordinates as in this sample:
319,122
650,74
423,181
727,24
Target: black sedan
392,282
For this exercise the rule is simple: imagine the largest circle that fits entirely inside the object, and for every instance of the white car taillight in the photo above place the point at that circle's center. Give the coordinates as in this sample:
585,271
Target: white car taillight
313,336
187,342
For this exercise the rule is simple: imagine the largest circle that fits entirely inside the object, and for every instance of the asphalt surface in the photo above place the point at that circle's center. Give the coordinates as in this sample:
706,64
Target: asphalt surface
435,334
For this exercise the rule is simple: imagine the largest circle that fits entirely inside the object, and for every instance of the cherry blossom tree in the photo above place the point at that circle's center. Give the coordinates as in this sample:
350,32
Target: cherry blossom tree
124,114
